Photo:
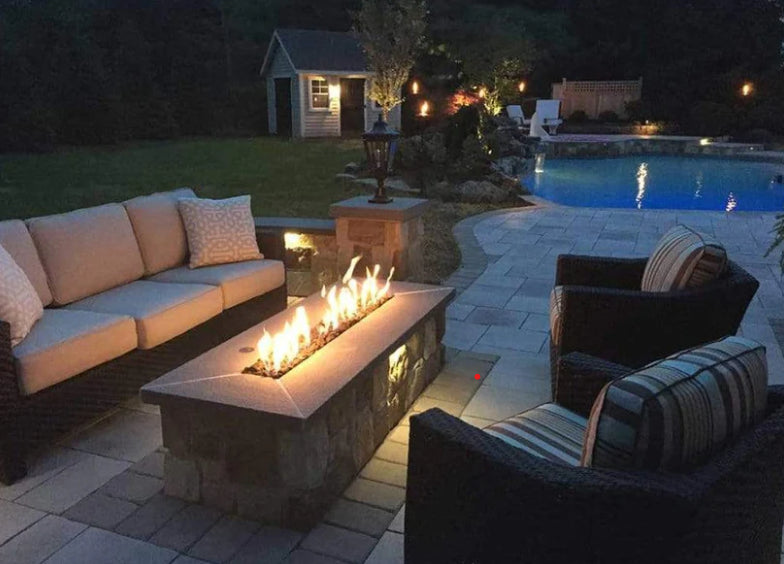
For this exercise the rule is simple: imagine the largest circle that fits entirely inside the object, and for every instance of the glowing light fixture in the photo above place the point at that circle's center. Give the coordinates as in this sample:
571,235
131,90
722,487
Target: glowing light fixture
521,86
746,89
705,141
415,87
424,109
380,145
482,92
334,91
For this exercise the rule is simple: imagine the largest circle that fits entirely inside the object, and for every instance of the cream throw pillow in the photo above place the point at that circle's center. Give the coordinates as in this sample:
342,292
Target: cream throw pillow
20,305
219,231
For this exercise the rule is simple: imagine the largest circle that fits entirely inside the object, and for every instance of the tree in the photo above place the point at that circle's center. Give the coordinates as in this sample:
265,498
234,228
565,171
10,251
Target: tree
391,33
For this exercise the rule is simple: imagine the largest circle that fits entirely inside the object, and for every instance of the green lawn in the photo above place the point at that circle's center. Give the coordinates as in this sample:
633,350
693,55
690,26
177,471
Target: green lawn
285,178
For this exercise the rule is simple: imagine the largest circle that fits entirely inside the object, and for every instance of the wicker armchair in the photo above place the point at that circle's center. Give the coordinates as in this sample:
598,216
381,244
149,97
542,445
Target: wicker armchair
472,498
604,313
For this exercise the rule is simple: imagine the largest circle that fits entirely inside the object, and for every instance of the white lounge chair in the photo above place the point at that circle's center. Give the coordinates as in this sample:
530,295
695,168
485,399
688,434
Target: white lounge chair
548,111
516,114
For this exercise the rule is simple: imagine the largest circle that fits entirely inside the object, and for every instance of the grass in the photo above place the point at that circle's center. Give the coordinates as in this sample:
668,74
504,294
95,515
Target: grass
284,178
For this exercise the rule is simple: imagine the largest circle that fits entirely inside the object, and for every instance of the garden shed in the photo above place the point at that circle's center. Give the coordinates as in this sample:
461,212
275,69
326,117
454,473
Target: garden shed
317,85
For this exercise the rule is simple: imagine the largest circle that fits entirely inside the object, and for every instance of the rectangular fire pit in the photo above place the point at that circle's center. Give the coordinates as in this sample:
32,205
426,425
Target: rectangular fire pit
280,450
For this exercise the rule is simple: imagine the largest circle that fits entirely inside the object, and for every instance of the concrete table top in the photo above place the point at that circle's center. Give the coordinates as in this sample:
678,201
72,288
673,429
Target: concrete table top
216,378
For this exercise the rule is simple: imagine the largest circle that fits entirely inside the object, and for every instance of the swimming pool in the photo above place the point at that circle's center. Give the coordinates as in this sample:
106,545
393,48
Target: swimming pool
663,182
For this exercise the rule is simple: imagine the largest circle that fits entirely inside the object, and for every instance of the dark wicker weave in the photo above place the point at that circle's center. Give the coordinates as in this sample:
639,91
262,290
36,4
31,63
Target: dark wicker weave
472,498
604,313
28,422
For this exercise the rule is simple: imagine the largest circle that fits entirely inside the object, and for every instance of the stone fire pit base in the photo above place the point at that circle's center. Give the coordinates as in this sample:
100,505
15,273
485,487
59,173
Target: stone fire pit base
288,470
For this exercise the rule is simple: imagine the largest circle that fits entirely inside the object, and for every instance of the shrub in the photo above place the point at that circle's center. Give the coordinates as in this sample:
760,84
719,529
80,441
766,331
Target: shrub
609,116
711,119
462,124
639,110
578,116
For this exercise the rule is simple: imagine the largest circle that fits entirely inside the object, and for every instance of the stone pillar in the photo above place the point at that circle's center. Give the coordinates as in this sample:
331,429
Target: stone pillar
387,234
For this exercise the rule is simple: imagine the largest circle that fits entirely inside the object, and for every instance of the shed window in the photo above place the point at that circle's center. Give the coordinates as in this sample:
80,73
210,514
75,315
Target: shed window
319,94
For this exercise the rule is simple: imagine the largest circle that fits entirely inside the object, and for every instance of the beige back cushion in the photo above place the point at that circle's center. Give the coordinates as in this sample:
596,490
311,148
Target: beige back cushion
219,231
15,239
158,227
87,251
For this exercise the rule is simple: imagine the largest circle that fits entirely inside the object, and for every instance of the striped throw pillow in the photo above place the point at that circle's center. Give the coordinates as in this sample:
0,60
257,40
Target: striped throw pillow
677,412
683,258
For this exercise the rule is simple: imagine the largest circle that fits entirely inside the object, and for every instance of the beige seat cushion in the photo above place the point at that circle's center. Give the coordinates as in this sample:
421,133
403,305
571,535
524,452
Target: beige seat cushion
65,343
87,251
239,281
15,239
162,311
219,231
159,230
20,305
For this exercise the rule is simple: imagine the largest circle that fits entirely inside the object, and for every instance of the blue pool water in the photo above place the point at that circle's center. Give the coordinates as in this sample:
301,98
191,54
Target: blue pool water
660,182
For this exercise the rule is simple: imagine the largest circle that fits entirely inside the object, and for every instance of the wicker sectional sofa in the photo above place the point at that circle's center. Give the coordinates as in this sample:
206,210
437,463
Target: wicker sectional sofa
121,308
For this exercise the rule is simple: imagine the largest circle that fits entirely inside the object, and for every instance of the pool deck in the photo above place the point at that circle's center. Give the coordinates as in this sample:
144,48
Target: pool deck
509,267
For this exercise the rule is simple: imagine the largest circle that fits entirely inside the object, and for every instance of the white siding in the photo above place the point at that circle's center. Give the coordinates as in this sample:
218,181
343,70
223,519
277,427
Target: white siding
320,123
280,67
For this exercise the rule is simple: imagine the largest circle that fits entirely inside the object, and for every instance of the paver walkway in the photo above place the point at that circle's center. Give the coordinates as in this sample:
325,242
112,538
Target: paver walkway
97,497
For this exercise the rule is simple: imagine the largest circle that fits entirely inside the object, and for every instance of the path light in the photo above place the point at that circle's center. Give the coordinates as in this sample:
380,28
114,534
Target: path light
482,92
424,109
380,144
746,89
415,87
521,86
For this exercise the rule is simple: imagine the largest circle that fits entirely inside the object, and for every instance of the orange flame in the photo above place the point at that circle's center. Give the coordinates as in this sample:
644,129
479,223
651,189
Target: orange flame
346,301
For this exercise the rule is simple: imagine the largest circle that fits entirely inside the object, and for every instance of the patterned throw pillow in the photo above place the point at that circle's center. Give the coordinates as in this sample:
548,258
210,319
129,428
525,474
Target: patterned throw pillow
683,258
219,231
20,305
677,412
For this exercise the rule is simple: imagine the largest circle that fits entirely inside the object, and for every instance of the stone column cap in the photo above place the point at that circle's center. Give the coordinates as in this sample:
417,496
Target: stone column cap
399,209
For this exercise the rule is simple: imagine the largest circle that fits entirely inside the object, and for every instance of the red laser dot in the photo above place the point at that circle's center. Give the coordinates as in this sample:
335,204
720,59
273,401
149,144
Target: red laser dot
477,377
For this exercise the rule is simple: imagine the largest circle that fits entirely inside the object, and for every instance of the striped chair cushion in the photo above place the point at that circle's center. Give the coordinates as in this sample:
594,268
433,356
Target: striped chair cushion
677,412
683,258
548,431
556,299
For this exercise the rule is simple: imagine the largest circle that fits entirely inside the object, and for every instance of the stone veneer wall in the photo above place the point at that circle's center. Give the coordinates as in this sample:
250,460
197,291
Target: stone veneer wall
650,146
311,262
285,471
388,243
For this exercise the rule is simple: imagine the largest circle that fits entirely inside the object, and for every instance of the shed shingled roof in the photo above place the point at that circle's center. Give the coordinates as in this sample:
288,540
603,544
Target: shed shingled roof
322,50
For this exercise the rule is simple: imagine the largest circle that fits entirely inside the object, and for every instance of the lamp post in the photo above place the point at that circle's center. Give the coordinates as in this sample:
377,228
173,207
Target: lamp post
380,144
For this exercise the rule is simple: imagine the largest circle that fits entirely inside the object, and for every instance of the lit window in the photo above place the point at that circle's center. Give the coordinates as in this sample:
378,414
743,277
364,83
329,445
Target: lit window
319,94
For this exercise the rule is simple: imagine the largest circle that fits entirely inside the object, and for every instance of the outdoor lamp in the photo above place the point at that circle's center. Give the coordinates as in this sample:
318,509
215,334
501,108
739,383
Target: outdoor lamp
380,144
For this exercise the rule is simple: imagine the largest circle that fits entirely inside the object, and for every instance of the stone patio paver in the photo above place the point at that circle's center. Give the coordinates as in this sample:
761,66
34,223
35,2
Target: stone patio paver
392,451
186,527
224,539
385,472
97,546
37,543
359,517
134,487
376,494
398,523
339,543
270,545
388,550
308,557
126,435
150,517
16,518
100,510
72,484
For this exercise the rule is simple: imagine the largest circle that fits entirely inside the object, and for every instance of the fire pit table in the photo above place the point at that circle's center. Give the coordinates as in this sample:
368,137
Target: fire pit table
280,450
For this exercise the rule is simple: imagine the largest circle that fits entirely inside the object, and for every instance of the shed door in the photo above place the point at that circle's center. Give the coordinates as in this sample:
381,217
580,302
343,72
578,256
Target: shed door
283,106
352,105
